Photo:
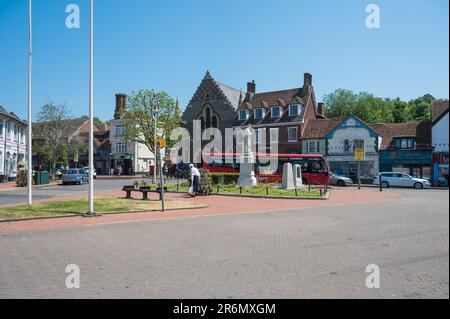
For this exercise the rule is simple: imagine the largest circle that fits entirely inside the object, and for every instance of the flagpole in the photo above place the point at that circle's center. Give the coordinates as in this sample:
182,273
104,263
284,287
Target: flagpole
30,141
91,111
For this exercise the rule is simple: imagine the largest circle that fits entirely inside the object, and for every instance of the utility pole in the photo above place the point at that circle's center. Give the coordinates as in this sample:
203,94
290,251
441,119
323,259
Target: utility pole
30,124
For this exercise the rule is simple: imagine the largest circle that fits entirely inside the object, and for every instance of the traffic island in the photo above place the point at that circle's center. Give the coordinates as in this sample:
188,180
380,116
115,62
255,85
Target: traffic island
104,206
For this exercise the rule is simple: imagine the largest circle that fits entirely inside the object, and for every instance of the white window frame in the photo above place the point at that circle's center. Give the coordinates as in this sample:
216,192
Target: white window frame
262,113
298,109
296,134
2,126
240,115
120,129
279,112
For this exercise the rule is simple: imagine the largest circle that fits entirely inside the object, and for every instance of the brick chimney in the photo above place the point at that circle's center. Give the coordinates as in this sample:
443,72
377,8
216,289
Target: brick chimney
251,87
121,106
307,80
321,108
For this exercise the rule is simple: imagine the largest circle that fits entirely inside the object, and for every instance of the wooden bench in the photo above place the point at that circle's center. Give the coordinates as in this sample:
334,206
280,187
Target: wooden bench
130,189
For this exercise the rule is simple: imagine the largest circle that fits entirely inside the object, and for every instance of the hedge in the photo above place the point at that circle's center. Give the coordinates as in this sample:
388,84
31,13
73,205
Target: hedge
224,178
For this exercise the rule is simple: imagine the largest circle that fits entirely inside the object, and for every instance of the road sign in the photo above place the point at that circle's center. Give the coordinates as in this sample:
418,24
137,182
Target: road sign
359,154
160,142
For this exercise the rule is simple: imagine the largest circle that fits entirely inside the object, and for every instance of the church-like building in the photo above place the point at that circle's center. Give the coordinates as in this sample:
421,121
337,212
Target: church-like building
221,106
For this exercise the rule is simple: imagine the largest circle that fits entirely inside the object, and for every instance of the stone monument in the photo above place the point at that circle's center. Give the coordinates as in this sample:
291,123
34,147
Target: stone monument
247,160
288,177
297,171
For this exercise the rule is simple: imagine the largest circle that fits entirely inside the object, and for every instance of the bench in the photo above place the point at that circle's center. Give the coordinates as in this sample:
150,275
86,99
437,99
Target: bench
130,189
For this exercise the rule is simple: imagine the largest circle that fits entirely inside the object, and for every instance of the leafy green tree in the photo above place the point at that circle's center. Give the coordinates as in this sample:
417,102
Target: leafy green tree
50,134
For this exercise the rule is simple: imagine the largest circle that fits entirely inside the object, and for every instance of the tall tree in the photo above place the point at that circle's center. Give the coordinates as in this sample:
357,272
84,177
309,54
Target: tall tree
50,133
140,117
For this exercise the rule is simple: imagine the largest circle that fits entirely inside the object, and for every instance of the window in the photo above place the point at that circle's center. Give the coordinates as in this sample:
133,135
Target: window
292,134
16,132
23,135
358,144
276,112
1,128
259,114
346,146
404,143
242,115
121,147
294,110
313,147
120,130
8,130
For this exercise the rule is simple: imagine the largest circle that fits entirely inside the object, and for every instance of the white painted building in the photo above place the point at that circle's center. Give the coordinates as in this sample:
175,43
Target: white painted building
440,142
13,144
127,158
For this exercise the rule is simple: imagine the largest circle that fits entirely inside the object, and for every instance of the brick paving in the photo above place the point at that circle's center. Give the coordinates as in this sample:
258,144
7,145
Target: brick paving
217,205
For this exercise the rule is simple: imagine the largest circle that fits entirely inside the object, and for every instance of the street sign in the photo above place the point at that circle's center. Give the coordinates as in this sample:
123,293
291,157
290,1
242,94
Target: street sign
359,154
160,142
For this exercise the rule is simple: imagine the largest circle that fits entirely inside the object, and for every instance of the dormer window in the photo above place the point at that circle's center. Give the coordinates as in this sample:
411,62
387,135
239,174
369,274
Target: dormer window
259,113
405,143
294,110
243,115
276,112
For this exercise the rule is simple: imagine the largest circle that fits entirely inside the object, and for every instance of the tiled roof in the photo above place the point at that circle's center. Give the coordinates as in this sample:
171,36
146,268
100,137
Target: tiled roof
438,109
231,94
421,130
319,128
71,126
11,115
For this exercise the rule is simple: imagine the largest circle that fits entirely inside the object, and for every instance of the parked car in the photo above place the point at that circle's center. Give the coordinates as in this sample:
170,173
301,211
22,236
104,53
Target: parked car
75,176
87,171
392,179
340,180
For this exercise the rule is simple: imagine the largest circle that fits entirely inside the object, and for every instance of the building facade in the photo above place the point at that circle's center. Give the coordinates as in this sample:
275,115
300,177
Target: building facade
126,158
406,148
440,122
13,144
217,105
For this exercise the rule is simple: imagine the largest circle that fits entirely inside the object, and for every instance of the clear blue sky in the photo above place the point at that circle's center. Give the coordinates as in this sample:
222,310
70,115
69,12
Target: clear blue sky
168,45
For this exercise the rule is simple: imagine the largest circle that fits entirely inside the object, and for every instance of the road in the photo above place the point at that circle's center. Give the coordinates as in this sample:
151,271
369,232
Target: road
19,195
317,252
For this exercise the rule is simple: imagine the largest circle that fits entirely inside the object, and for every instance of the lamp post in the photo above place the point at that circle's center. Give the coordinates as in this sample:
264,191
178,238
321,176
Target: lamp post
29,132
155,112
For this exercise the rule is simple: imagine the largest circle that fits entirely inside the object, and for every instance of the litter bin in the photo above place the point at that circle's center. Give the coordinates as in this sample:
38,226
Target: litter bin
41,178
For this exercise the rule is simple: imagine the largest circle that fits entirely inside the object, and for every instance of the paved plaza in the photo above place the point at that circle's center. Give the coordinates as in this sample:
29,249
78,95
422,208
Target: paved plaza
299,249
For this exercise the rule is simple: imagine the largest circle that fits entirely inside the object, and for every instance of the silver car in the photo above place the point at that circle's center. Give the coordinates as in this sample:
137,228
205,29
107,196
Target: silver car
340,180
75,176
392,179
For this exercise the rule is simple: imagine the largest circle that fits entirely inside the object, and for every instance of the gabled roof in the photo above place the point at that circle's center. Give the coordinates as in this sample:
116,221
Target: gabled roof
71,127
11,115
319,128
362,122
231,94
420,130
439,109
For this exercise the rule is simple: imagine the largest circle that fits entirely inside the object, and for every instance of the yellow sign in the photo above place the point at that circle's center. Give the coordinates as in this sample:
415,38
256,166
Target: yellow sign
160,142
359,154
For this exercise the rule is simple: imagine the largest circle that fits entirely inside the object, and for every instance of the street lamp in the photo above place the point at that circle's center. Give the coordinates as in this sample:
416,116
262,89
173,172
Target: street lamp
91,111
30,141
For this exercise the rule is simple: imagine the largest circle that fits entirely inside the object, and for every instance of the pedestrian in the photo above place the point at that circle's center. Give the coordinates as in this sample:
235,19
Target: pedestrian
195,179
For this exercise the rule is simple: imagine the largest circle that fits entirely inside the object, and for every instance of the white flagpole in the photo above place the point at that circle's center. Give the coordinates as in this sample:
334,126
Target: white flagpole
30,141
91,111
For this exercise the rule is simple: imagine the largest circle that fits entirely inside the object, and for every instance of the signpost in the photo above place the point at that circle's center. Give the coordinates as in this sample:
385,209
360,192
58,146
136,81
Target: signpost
359,156
160,144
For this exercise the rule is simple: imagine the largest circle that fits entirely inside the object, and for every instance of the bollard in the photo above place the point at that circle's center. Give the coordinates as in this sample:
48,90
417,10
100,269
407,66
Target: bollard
296,192
381,187
267,191
240,190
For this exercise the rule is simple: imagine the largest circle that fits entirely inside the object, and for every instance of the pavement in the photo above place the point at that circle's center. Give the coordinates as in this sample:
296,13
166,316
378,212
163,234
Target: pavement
242,248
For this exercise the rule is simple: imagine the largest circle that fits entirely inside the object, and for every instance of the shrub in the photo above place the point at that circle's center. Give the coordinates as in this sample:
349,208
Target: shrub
224,178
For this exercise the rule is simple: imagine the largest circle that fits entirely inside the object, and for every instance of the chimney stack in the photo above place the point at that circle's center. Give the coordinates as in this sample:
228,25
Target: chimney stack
251,87
321,108
307,79
121,106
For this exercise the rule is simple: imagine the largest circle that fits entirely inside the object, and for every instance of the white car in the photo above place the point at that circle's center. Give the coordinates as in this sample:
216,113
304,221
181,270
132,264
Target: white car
87,171
392,179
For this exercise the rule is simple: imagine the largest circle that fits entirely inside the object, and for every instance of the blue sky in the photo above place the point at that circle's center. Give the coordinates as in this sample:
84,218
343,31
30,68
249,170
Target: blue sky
168,45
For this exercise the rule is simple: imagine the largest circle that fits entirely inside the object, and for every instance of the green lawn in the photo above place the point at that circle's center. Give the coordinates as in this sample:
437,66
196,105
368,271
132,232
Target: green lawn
78,207
261,190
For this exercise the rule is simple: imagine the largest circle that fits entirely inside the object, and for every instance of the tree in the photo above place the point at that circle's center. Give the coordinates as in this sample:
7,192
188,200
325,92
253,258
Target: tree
51,133
140,118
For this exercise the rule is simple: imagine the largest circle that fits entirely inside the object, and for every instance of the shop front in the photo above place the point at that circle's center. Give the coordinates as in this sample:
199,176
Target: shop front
416,163
440,169
349,167
122,165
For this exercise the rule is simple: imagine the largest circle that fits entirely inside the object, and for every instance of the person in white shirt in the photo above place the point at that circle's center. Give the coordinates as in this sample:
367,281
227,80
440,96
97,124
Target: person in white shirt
195,179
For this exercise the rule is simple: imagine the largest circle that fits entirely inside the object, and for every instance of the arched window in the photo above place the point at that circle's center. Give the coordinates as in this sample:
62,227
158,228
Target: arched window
209,118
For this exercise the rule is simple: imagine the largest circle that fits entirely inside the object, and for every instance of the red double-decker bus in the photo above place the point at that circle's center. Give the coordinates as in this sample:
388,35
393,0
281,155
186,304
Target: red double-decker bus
314,166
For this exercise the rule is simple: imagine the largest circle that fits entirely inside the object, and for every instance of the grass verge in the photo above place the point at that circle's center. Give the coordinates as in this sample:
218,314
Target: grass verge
78,207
